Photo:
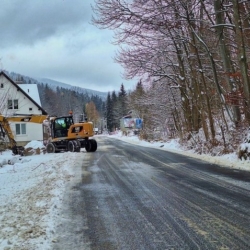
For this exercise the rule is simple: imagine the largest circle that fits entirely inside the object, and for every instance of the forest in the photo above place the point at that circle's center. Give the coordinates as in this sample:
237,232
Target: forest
60,101
192,62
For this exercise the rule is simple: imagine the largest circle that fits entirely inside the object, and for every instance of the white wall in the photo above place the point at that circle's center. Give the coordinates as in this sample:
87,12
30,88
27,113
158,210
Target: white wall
33,132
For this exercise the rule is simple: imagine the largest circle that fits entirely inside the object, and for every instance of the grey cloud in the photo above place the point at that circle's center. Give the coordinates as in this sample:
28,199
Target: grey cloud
55,39
25,21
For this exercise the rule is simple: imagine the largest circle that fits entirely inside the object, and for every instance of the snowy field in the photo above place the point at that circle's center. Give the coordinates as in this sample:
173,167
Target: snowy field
32,188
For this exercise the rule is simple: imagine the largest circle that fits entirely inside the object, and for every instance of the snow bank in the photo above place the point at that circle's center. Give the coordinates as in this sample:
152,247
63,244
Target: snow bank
30,197
227,160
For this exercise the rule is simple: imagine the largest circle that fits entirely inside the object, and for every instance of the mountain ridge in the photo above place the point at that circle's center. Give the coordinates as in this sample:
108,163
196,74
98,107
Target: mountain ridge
54,84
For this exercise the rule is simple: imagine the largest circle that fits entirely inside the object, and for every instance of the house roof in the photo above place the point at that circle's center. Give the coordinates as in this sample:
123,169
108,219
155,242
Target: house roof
26,88
31,90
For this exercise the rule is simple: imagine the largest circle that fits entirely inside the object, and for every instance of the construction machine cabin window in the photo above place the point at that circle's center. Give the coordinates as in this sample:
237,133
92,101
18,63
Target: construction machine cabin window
21,129
13,104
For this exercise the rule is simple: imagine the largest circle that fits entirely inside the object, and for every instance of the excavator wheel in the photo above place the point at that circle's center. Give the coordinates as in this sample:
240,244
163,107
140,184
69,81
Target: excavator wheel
77,146
50,148
93,145
88,146
71,146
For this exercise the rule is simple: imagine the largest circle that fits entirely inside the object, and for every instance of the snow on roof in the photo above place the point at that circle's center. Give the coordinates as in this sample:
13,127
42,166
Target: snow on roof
32,91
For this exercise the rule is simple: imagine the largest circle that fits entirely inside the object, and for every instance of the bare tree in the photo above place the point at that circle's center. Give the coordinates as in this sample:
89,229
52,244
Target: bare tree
198,47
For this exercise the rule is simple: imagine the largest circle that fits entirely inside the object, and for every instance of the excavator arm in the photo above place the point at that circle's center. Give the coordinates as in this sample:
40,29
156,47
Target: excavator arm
5,129
8,142
27,118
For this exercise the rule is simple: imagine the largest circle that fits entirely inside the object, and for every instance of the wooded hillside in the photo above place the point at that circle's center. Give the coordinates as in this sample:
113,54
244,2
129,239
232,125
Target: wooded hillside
60,101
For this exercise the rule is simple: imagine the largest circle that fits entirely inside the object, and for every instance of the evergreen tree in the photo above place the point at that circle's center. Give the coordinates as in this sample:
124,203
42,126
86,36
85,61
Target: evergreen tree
122,99
119,106
109,113
116,110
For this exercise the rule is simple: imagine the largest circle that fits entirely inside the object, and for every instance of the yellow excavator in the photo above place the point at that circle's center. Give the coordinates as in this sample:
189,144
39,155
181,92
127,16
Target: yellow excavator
59,133
62,134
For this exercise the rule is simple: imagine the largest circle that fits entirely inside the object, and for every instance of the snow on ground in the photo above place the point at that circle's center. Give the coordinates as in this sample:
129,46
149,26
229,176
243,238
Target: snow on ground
229,160
30,197
32,188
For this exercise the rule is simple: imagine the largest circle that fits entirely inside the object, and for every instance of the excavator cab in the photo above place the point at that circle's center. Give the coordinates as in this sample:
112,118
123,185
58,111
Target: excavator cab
61,125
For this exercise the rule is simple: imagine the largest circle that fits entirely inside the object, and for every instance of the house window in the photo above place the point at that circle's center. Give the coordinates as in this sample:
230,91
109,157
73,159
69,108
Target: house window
13,104
1,85
21,129
30,109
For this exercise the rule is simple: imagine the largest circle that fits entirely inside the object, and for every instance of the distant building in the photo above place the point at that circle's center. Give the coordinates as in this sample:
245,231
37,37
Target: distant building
21,99
131,122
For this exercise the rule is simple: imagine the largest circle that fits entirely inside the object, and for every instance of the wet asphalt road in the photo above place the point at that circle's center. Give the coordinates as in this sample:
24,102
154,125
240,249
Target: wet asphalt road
130,197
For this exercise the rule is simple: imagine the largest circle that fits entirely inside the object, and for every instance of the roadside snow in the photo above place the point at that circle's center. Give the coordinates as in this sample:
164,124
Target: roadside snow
32,189
228,160
30,197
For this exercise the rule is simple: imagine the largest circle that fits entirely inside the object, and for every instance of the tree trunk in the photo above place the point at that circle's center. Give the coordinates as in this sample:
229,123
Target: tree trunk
225,54
242,57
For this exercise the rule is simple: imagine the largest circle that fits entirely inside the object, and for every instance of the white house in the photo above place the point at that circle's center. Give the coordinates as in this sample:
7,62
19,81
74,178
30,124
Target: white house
21,99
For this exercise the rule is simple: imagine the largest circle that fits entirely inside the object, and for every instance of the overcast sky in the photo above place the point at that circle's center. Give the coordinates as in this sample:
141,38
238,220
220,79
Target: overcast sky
54,39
